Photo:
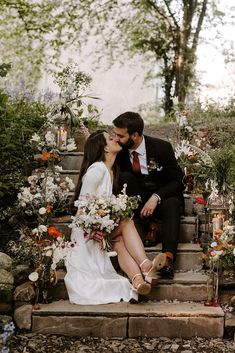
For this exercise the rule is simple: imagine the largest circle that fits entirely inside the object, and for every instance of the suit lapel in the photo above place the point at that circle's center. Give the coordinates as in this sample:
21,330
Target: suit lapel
150,150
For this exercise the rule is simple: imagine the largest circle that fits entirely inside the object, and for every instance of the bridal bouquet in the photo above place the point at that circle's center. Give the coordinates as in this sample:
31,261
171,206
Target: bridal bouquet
103,213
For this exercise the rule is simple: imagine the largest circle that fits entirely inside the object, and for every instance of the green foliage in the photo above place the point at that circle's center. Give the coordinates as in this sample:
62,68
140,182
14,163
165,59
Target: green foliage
19,119
217,121
76,108
33,33
224,167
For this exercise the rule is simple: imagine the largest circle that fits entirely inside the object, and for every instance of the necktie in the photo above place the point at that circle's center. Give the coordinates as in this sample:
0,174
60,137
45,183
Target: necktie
136,162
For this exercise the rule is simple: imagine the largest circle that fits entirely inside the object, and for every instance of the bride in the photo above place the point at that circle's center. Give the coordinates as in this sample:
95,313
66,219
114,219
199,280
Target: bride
91,278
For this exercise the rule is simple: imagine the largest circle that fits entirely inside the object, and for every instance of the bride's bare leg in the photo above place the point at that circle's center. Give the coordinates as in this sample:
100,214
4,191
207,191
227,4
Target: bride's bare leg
126,261
133,243
130,267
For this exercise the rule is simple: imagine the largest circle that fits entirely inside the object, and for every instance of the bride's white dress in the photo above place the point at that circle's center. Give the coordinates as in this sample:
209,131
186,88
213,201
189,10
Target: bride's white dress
91,278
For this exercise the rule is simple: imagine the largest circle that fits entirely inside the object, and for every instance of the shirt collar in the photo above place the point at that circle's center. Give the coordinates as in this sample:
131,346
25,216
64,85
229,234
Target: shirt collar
141,149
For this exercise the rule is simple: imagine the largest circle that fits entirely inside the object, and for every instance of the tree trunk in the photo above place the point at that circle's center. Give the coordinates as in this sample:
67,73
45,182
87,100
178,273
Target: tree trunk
168,75
186,53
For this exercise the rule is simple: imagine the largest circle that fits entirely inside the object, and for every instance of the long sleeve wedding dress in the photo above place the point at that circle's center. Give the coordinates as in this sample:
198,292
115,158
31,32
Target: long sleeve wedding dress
91,278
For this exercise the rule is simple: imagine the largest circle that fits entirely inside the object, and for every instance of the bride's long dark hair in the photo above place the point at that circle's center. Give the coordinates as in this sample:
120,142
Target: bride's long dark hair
94,152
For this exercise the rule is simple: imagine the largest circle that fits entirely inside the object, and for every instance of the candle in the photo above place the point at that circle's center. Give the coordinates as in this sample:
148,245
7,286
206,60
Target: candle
217,224
62,137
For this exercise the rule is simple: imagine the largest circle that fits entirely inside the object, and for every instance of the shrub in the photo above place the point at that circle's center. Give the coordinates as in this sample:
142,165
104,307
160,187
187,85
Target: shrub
19,119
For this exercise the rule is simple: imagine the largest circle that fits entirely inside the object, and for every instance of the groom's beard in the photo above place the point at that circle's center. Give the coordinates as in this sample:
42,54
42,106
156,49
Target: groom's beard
127,145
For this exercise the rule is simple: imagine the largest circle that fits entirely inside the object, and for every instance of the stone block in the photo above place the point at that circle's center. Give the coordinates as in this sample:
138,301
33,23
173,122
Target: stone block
187,232
24,292
180,292
98,326
5,262
180,327
188,261
21,274
71,160
23,317
6,277
188,201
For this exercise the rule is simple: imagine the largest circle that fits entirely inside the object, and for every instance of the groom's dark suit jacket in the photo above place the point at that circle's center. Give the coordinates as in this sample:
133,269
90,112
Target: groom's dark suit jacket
165,178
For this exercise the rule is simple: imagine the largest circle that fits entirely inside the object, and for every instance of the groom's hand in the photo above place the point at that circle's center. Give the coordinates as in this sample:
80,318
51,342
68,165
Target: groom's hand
98,235
149,207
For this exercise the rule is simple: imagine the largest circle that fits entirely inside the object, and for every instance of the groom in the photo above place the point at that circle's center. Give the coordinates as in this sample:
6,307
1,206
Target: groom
149,168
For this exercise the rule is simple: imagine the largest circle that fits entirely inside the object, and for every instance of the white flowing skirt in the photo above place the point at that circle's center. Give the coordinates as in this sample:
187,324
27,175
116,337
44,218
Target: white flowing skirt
91,278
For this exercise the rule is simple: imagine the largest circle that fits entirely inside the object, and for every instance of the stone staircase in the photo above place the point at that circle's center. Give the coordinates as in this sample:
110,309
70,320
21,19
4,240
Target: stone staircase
175,308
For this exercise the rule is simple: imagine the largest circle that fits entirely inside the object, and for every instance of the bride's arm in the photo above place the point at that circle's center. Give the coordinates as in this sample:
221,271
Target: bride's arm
92,179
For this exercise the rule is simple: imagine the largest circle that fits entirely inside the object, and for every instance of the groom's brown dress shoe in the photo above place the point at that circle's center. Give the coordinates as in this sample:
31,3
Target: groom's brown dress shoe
167,272
151,238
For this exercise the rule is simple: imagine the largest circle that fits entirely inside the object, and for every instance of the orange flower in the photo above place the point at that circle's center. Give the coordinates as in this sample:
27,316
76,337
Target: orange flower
54,155
49,208
191,157
45,156
53,232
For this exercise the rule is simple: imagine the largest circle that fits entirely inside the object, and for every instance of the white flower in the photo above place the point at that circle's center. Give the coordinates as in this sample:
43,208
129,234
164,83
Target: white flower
70,183
35,231
213,244
49,252
50,138
71,146
181,120
58,168
42,228
32,179
35,138
183,148
42,210
218,252
33,276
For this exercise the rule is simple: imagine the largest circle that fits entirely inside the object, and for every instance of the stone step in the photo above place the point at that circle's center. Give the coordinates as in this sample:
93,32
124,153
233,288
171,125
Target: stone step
186,286
71,160
188,228
124,320
72,174
188,256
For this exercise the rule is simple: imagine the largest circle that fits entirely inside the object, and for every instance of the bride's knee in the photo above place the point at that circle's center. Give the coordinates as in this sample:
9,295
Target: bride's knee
127,222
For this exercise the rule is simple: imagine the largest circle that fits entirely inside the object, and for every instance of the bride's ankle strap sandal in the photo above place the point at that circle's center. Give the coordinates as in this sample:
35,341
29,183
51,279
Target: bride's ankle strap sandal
142,288
150,276
157,263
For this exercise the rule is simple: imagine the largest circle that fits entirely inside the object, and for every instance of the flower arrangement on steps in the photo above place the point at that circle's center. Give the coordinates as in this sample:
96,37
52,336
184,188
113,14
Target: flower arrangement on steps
47,194
208,179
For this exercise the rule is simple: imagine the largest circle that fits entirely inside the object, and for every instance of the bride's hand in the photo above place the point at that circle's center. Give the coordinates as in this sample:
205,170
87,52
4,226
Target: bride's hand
98,235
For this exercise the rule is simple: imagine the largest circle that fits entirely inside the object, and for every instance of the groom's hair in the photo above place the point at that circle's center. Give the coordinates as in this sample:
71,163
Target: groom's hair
130,120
